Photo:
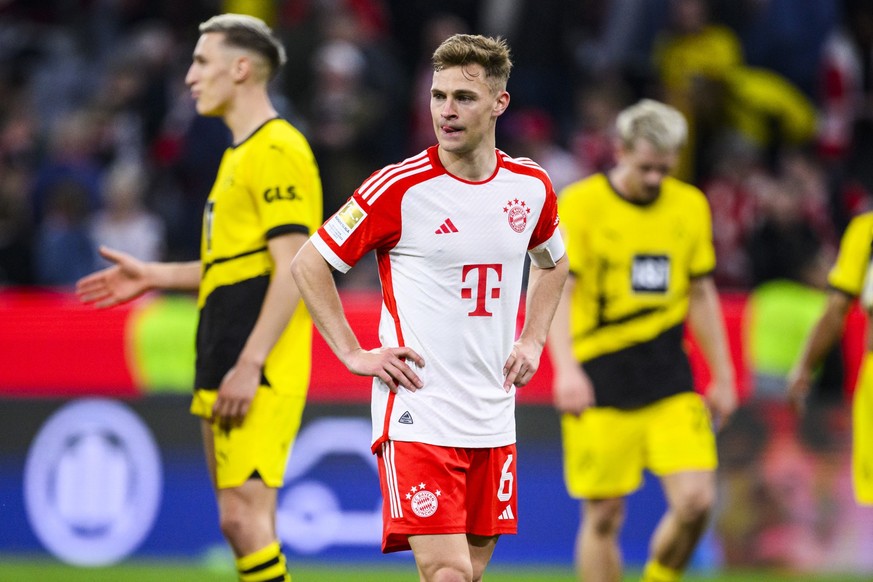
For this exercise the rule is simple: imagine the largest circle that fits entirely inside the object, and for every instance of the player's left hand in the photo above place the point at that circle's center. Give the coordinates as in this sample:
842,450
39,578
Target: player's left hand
235,395
522,364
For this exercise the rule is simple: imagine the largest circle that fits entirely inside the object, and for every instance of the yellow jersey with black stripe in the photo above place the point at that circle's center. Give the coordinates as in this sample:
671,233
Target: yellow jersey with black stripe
851,272
632,265
266,186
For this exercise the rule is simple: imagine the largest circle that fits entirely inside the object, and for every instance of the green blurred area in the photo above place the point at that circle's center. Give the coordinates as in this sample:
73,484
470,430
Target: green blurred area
160,340
780,315
23,570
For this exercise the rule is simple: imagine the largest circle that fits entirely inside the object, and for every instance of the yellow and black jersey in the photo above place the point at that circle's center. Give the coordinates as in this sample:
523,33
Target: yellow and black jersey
850,273
266,186
632,265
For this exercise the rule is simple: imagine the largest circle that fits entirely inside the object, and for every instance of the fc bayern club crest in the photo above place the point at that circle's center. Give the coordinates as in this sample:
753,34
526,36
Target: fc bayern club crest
517,211
424,503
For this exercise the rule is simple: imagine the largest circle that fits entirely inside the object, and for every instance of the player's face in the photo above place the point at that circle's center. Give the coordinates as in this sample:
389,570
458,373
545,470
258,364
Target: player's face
210,77
644,168
464,109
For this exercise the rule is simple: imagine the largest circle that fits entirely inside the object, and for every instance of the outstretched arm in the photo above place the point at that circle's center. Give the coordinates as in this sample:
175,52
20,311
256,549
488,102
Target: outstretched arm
318,289
129,278
707,325
543,294
824,335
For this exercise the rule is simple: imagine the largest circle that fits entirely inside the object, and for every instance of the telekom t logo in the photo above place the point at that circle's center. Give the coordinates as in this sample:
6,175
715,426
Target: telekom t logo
482,289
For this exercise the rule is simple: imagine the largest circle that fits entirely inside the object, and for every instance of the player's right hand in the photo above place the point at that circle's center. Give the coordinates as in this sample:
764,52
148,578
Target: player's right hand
389,365
797,386
235,395
572,391
121,282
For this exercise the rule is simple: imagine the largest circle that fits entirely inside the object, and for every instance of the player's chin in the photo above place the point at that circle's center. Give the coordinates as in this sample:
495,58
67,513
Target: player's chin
206,110
454,147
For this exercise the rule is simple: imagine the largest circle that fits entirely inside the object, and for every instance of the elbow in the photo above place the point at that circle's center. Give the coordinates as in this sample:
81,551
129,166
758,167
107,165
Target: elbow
300,264
309,268
296,269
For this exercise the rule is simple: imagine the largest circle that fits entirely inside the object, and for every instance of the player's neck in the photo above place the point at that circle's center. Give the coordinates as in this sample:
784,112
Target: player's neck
248,113
618,180
474,166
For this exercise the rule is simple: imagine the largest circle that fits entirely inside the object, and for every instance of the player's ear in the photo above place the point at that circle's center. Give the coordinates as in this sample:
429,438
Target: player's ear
242,68
501,104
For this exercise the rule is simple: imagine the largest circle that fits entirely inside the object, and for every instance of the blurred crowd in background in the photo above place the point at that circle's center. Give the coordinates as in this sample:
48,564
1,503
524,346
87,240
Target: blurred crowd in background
100,143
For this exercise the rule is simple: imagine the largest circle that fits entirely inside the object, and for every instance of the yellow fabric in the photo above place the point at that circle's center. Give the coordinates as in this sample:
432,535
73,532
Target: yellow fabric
849,274
261,443
862,433
607,449
263,9
760,96
850,269
607,238
268,181
266,185
657,572
711,52
256,567
681,60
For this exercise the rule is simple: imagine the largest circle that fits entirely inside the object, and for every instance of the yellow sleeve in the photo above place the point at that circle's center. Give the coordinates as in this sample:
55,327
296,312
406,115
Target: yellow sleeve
849,271
285,184
571,225
703,254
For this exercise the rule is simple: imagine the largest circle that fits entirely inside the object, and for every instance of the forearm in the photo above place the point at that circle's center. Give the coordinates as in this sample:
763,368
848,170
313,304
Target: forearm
544,292
707,326
825,333
176,276
560,335
314,279
280,302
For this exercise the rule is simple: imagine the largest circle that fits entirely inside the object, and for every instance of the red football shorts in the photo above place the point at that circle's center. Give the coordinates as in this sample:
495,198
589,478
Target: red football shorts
428,489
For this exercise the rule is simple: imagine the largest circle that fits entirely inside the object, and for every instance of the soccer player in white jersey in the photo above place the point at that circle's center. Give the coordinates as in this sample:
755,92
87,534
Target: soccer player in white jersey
451,228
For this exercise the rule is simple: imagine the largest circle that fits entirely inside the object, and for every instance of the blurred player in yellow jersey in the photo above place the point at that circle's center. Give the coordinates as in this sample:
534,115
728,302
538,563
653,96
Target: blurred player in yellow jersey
254,335
850,278
641,259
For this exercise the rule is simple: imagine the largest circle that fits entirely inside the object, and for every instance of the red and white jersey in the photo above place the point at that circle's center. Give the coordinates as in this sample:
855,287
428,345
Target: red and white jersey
451,258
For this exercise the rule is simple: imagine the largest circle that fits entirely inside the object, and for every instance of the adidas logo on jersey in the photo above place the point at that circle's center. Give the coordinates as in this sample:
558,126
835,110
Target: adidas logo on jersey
405,418
446,227
507,513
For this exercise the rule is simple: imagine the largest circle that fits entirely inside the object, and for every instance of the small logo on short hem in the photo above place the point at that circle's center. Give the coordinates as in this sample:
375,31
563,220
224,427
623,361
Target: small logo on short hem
424,503
405,418
507,513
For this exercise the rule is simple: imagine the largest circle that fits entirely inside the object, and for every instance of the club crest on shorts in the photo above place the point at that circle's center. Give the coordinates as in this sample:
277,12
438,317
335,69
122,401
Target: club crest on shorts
424,503
517,211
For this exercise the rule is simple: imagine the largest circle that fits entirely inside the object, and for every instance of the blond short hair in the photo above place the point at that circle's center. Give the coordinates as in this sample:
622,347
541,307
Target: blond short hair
465,49
659,124
249,33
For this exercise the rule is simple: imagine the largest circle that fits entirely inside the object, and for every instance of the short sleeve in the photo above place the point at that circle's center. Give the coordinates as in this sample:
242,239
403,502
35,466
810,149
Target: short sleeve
848,272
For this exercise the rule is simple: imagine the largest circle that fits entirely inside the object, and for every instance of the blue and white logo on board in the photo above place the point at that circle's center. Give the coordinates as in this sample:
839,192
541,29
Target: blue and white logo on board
310,513
92,482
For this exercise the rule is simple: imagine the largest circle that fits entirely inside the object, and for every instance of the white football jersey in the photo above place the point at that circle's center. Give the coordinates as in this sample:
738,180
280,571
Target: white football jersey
451,257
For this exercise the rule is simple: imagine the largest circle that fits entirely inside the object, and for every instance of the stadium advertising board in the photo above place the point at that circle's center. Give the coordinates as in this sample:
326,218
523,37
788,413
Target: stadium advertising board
100,461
